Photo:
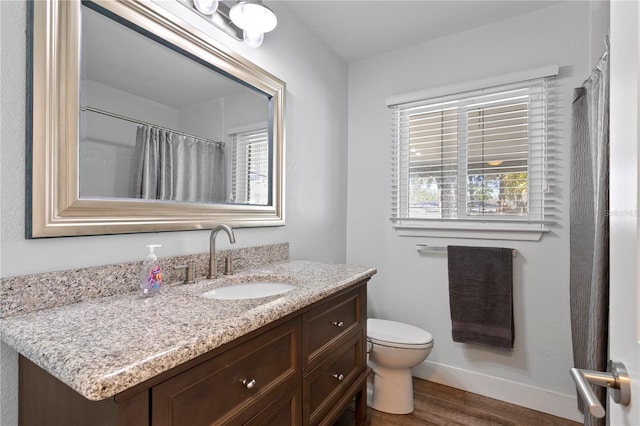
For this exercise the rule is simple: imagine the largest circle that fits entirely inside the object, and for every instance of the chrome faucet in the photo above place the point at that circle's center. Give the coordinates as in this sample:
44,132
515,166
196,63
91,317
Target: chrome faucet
213,265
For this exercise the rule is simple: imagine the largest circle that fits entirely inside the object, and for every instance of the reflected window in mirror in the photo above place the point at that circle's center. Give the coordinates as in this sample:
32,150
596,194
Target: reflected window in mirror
250,165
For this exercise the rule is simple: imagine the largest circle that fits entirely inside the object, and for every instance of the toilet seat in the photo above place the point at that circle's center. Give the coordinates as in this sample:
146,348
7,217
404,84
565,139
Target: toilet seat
397,335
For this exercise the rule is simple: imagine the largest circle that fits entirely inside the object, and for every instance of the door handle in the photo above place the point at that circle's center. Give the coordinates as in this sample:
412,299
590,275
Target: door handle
616,379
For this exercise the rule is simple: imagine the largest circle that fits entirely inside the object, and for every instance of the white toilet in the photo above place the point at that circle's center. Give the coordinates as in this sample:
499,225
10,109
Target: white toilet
394,348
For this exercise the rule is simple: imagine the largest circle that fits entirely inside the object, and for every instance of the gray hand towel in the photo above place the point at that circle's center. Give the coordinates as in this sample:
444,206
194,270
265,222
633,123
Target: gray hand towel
481,295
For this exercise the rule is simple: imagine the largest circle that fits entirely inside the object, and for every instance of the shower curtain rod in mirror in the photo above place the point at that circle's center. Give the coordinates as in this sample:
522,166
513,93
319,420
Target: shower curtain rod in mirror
133,120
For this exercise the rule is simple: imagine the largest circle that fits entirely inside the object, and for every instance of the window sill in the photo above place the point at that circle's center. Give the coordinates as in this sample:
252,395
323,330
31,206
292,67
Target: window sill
480,231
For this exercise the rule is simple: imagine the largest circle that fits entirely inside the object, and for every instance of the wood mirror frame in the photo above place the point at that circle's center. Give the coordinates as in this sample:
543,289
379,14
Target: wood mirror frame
53,205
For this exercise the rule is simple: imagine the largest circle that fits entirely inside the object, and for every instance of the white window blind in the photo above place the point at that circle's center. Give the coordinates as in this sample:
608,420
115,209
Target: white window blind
250,167
475,156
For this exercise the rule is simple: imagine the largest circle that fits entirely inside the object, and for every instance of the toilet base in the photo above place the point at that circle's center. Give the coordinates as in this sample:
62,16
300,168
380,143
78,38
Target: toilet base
391,390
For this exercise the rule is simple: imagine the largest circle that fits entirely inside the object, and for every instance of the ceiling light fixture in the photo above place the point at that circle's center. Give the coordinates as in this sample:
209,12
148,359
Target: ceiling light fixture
206,7
214,12
255,19
495,163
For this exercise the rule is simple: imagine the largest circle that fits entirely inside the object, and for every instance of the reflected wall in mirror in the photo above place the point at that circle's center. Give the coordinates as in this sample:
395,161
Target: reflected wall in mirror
141,123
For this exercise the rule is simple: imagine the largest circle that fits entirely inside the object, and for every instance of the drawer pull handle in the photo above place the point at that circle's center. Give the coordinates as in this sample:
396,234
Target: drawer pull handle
339,376
249,383
338,323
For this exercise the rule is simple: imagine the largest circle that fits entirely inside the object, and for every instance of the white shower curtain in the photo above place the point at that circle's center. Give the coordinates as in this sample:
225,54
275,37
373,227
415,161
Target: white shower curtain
589,232
171,166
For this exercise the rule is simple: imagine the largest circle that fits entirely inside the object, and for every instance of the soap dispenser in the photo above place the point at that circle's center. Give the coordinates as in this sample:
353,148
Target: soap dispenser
151,273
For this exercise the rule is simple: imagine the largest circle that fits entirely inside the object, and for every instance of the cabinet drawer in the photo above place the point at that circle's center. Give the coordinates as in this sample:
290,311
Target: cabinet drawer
326,382
213,392
323,326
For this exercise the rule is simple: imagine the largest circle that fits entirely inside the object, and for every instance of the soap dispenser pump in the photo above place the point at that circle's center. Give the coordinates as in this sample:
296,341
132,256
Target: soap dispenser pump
151,273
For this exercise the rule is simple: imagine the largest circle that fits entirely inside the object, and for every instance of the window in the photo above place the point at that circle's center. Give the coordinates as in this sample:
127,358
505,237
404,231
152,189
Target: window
250,167
474,156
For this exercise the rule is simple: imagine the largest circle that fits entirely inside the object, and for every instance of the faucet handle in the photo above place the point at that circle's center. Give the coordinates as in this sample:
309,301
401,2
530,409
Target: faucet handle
229,261
228,265
189,276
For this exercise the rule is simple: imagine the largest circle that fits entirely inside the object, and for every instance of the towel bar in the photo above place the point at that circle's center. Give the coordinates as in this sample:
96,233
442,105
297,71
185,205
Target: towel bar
424,248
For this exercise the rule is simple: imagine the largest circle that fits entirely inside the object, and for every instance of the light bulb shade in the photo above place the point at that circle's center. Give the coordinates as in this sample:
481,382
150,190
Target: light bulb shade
206,7
252,38
253,16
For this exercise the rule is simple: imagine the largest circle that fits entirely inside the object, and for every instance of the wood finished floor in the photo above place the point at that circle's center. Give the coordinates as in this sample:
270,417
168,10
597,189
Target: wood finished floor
437,404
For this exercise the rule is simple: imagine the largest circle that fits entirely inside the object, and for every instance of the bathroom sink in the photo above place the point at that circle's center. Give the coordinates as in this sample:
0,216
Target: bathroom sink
253,290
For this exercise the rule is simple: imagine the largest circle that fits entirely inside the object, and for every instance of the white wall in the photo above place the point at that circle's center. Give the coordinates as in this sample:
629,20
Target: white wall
414,288
316,111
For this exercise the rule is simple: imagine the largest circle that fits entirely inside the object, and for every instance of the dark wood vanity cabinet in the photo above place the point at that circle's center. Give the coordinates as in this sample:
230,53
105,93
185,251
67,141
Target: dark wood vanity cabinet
304,369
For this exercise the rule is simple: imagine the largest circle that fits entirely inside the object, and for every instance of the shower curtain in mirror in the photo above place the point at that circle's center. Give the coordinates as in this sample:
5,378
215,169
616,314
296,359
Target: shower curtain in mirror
172,166
589,232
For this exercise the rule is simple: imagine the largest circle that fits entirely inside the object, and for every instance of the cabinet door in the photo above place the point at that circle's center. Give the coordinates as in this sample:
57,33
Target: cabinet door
230,388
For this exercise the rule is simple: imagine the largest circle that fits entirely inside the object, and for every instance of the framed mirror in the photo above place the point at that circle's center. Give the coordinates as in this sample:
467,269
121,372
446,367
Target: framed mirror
141,123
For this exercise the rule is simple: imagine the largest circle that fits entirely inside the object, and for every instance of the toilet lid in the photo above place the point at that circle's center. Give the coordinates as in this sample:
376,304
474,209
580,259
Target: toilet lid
393,332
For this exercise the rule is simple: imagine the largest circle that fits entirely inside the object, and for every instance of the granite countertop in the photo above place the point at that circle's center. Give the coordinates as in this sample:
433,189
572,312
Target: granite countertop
104,346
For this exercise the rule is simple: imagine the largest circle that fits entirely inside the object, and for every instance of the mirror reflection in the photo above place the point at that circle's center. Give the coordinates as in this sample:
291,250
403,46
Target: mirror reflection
157,123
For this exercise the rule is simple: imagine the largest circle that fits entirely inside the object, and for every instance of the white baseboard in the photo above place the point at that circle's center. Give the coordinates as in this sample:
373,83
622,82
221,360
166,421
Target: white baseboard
532,397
